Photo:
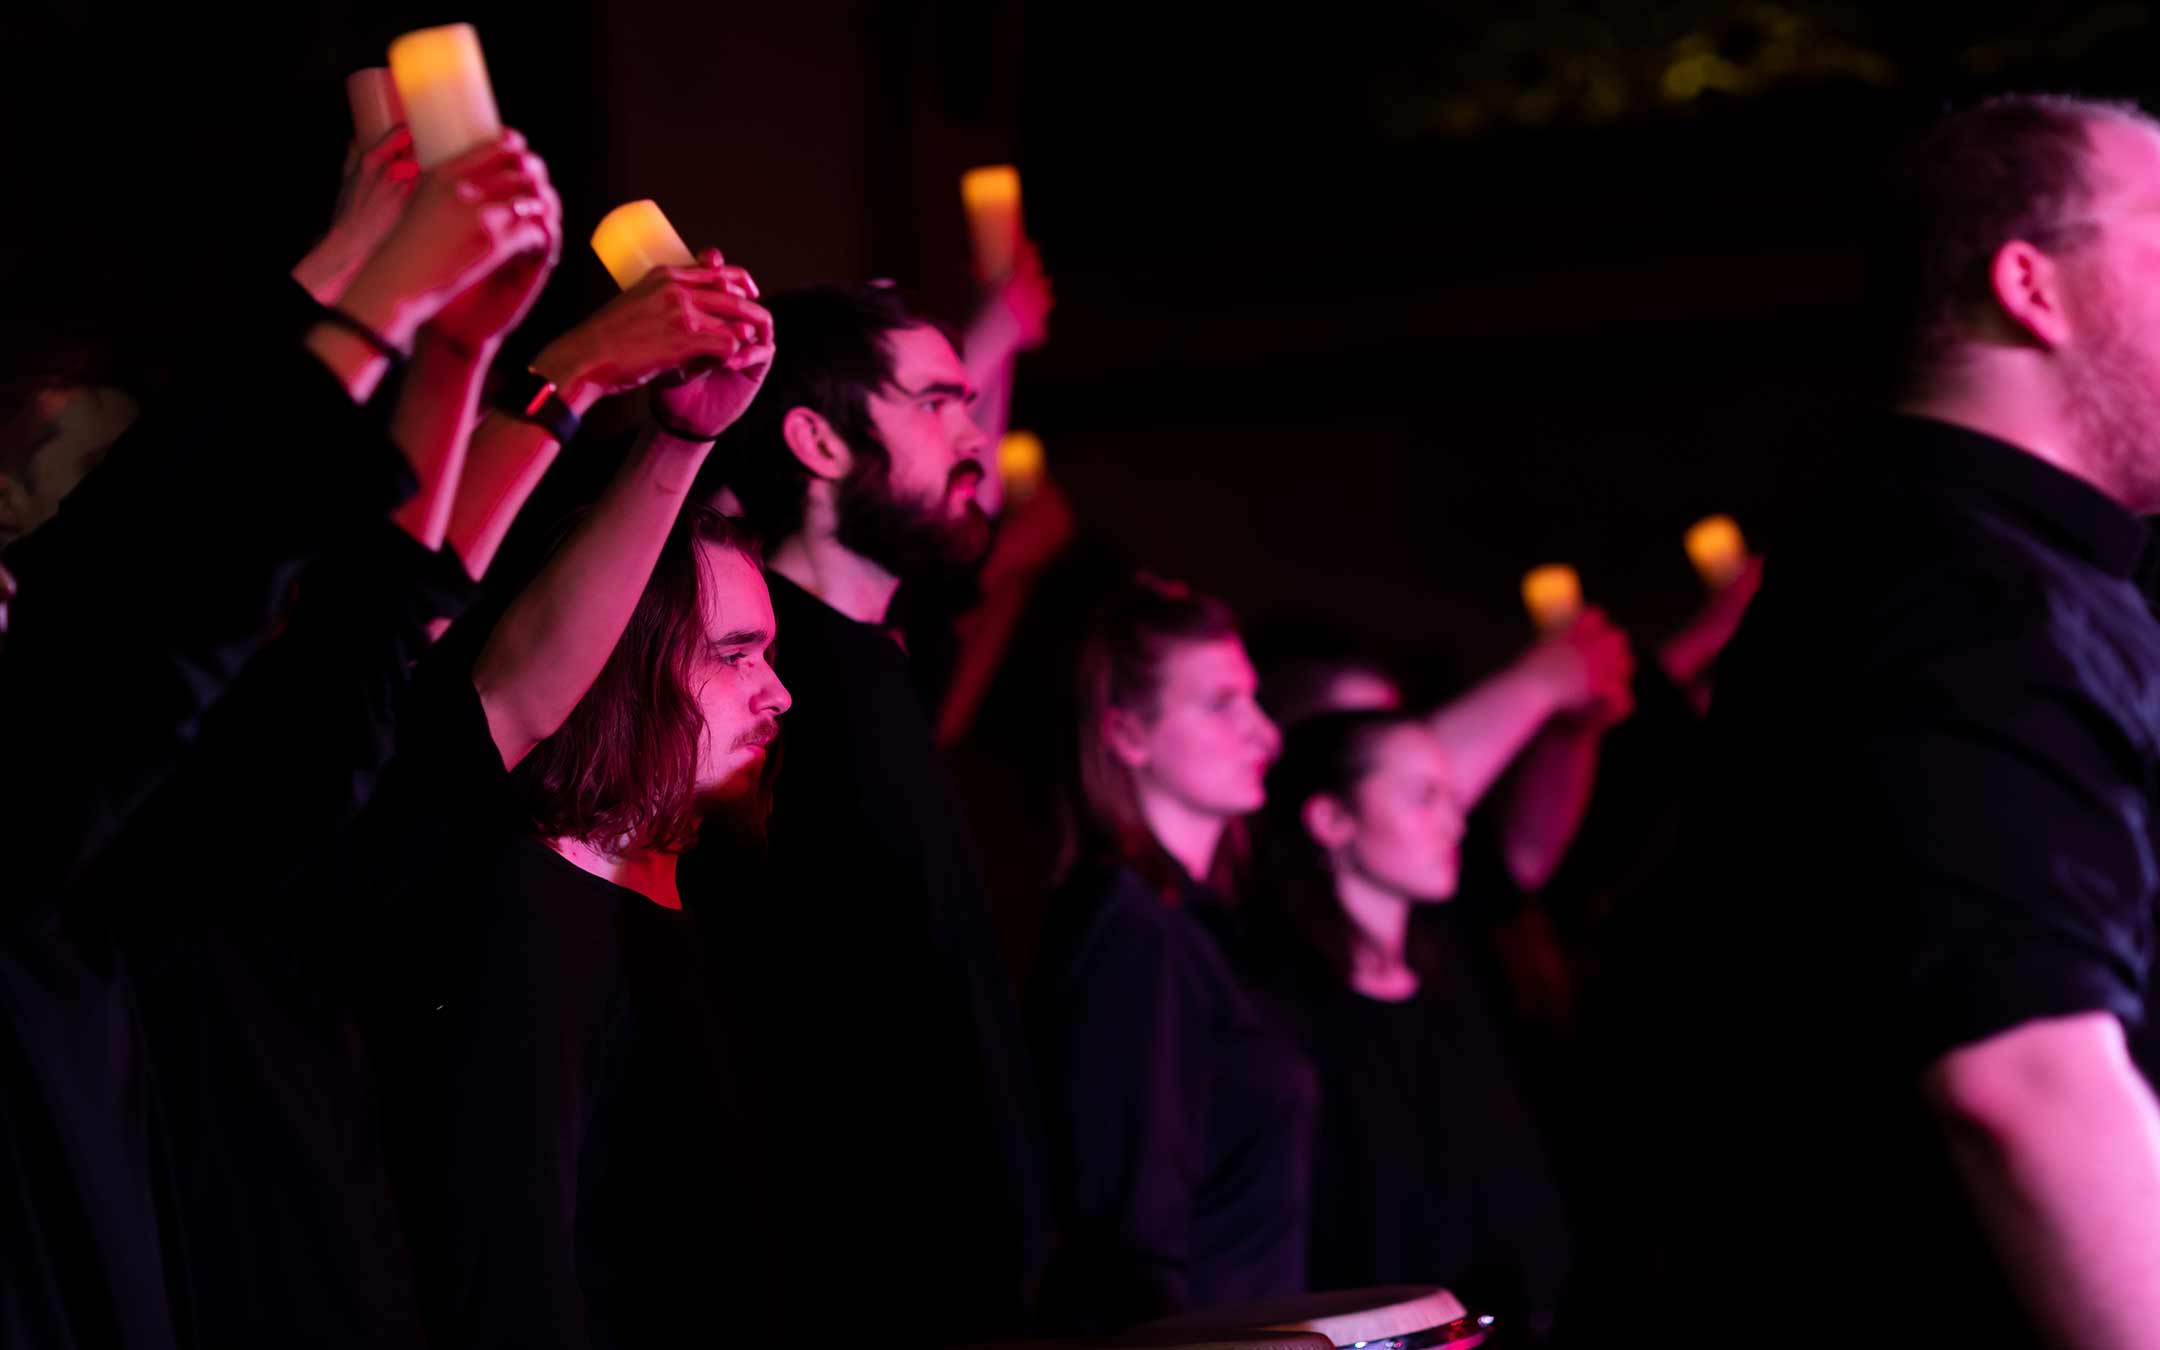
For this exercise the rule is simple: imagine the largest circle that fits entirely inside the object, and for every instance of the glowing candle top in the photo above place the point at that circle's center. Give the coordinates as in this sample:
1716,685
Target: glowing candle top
634,238
1553,595
443,82
991,195
1719,552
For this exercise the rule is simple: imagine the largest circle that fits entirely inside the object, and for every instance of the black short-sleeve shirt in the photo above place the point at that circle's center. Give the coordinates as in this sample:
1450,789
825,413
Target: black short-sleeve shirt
1928,820
1181,1112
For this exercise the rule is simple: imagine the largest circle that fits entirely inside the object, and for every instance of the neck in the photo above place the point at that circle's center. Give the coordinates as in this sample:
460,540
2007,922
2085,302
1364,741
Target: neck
1187,835
2026,421
814,560
1379,935
649,872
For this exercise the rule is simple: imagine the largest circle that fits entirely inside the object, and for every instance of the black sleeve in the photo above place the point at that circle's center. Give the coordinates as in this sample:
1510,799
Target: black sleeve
1130,1111
2015,848
295,748
141,601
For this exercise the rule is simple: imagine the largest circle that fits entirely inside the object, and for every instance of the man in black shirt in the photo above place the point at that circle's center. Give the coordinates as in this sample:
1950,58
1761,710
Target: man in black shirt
910,1160
1922,979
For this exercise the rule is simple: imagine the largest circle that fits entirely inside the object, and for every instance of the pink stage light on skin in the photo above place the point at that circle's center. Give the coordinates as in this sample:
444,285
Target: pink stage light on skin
1718,550
636,237
375,107
1553,595
991,195
443,82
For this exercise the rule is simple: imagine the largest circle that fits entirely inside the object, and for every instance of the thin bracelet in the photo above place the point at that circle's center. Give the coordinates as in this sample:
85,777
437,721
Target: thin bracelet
338,318
660,419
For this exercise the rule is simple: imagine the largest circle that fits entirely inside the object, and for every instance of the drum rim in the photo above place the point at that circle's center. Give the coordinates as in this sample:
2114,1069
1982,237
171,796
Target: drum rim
1466,1331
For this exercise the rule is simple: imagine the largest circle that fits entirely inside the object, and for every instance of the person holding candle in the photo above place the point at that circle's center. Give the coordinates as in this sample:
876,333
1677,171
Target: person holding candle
1427,1164
87,1207
859,466
584,1186
1180,1117
1920,982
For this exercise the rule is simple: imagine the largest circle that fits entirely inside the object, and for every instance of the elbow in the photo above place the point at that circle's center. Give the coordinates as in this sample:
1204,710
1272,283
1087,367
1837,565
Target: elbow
2052,1078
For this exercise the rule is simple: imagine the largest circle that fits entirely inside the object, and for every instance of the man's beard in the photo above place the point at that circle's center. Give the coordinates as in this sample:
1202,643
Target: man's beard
910,539
2112,405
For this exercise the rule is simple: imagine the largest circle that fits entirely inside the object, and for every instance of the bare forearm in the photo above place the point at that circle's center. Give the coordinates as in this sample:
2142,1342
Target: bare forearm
556,636
2063,1171
1487,727
507,460
433,423
1547,798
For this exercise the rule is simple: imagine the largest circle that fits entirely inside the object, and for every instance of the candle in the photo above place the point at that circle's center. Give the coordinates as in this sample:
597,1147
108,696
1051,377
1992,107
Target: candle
1020,463
443,83
991,195
375,106
634,238
1553,595
1715,546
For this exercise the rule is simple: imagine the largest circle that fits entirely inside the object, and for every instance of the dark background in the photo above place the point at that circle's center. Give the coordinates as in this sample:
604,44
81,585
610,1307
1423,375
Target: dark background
1362,309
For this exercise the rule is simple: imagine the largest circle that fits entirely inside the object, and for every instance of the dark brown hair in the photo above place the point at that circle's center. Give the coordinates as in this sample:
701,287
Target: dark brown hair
624,765
2016,166
831,355
1323,756
1121,667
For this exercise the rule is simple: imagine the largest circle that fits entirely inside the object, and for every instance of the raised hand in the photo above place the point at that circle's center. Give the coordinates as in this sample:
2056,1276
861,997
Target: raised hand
698,332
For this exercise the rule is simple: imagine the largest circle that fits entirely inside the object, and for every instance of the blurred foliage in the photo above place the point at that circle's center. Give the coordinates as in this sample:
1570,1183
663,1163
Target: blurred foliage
1473,69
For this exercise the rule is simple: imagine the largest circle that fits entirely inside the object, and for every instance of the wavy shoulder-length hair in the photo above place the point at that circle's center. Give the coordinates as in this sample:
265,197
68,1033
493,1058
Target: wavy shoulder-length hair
623,767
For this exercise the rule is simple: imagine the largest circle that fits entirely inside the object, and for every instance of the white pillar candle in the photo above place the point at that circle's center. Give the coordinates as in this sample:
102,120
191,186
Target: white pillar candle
375,106
1718,550
1020,464
634,238
443,83
991,195
1553,595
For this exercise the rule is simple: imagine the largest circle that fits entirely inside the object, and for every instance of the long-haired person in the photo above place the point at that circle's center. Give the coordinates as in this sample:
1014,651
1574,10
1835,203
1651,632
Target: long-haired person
564,1114
1180,1119
1426,1165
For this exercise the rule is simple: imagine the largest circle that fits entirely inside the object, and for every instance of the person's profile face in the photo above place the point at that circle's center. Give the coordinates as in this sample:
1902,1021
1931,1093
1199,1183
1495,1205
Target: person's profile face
738,695
922,419
2110,284
1408,821
1208,745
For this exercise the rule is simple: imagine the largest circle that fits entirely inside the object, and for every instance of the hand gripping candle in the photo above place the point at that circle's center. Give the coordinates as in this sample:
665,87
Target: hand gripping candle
634,238
1553,595
375,106
991,195
443,83
1719,552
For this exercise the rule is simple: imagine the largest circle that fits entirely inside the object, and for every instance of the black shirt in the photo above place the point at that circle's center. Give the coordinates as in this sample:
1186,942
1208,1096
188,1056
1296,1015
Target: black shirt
1931,821
564,1112
1181,1117
907,1164
246,989
139,604
1427,1165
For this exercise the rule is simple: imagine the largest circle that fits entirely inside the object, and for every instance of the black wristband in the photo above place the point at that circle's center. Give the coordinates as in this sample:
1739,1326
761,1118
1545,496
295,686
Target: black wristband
660,419
537,402
338,318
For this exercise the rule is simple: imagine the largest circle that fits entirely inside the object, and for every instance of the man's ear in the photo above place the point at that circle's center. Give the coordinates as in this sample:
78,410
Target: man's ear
815,445
1327,821
2029,289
